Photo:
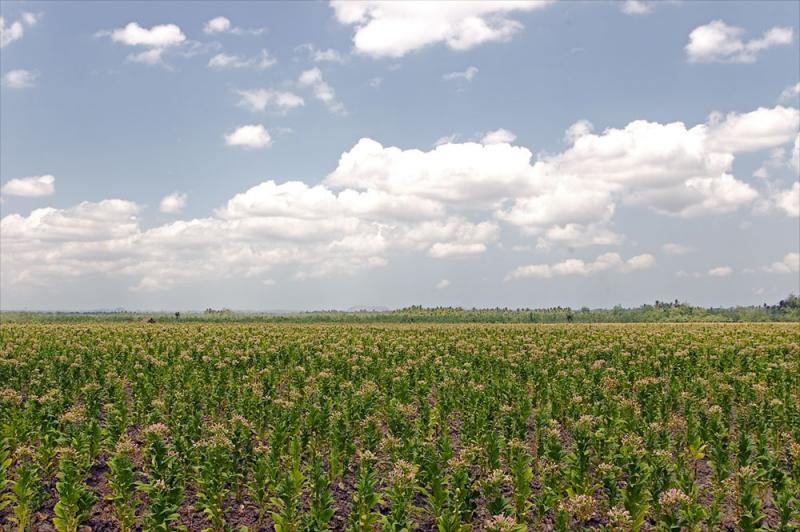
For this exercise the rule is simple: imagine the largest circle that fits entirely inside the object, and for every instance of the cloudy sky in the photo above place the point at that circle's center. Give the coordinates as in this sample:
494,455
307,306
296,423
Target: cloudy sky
329,154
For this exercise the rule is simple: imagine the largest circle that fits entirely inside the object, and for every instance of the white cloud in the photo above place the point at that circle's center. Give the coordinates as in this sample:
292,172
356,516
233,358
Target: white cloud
316,230
380,202
718,195
447,139
30,187
639,262
217,25
753,131
719,42
15,30
450,237
789,200
444,283
604,262
156,40
790,93
251,136
467,75
577,130
329,55
20,79
393,29
570,198
312,78
565,203
468,173
31,18
671,248
789,264
87,221
776,161
375,82
296,199
637,7
499,136
10,33
720,271
540,271
258,62
317,55
159,36
173,203
221,24
260,99
153,56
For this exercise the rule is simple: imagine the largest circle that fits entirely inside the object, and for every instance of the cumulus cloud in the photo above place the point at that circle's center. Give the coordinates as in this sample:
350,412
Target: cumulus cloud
15,30
499,136
312,78
720,271
218,25
570,198
639,262
753,131
466,75
393,29
155,40
317,230
30,187
20,79
251,136
381,201
441,285
173,203
159,36
789,264
717,42
261,61
87,221
577,130
604,262
260,99
468,173
789,200
298,200
637,7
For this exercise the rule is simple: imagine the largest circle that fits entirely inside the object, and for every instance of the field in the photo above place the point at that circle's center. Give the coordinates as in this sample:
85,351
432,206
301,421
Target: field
399,427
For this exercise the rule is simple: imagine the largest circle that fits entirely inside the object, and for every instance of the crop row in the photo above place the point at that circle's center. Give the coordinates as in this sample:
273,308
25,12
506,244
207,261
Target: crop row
448,428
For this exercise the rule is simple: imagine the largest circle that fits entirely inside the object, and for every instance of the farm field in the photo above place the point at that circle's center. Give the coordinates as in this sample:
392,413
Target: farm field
399,427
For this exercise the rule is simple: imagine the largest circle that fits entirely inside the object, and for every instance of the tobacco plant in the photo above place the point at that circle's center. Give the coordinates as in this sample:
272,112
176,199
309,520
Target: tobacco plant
457,427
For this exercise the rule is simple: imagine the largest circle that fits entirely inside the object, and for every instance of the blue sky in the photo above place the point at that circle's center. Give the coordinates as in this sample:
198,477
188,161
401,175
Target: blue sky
307,155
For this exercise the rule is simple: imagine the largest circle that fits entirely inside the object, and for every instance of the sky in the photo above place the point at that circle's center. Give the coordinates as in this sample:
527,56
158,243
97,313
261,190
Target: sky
324,155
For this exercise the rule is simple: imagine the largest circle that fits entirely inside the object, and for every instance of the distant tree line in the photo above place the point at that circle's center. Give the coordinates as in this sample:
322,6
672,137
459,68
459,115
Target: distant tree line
787,309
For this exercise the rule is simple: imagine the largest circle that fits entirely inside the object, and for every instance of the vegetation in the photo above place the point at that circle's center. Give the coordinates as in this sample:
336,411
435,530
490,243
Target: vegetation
787,309
399,427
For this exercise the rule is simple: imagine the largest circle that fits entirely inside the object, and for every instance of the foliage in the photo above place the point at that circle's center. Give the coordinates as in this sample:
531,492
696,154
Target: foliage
399,427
